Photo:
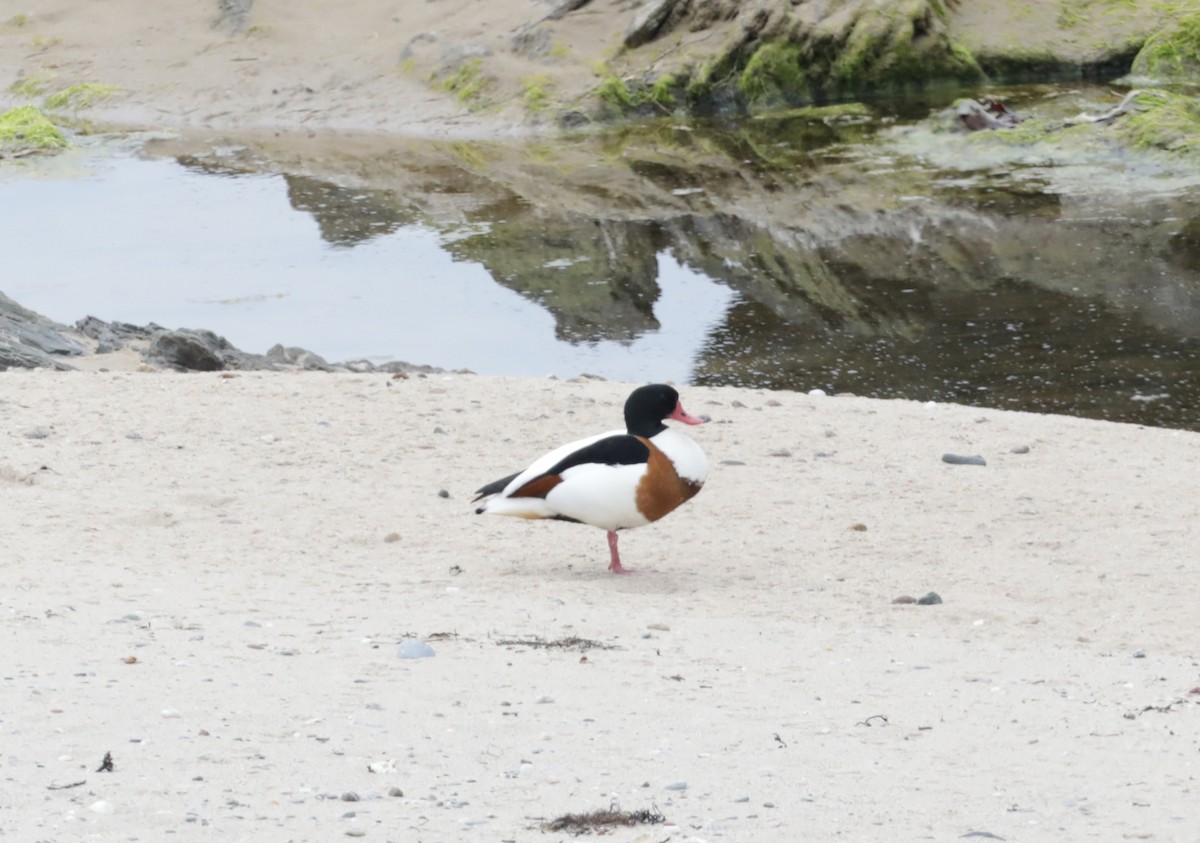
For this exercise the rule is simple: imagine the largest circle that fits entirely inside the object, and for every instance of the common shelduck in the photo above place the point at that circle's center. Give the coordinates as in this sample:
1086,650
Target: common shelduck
616,480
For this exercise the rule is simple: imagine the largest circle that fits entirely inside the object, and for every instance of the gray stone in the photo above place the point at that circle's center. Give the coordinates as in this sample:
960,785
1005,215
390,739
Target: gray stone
29,340
647,21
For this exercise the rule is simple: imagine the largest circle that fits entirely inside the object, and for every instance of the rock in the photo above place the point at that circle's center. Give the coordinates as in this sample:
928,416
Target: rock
564,7
188,349
114,335
960,459
233,16
930,599
532,43
986,113
647,21
29,340
298,357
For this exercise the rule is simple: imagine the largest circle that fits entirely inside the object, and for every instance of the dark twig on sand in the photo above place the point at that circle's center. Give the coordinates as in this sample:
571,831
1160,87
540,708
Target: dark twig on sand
572,642
868,722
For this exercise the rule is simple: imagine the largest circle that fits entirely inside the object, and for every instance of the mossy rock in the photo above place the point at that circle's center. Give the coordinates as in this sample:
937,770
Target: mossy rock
1172,53
865,50
775,76
1163,121
1153,121
644,96
24,130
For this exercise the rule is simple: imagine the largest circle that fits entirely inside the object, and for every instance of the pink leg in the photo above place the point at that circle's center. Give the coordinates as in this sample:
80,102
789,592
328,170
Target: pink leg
615,564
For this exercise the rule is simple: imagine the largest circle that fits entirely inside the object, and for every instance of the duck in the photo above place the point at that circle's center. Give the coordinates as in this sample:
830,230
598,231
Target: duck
617,480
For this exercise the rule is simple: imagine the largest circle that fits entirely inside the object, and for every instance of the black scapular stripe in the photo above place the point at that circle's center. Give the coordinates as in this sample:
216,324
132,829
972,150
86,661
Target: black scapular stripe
621,449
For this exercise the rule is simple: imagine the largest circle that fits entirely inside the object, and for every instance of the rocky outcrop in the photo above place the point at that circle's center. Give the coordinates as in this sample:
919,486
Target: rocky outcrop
29,340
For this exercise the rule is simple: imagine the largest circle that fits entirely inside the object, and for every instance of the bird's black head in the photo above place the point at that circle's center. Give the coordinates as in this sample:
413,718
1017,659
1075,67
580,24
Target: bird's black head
647,406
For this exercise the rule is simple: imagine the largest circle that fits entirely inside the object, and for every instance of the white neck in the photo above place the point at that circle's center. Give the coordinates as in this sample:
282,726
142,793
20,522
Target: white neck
682,450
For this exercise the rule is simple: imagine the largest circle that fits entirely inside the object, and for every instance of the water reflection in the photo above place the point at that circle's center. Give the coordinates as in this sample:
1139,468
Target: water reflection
813,250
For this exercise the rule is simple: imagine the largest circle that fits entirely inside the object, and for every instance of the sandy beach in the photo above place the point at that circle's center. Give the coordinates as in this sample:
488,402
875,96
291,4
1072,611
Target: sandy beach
211,578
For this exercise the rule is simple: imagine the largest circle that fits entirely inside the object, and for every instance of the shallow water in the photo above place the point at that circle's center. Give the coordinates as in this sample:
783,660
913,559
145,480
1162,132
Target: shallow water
154,241
792,254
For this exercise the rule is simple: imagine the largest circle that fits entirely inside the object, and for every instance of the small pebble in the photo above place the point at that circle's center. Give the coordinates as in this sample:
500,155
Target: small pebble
102,807
817,393
675,786
171,712
1021,449
411,648
442,493
391,537
395,791
960,459
930,599
905,598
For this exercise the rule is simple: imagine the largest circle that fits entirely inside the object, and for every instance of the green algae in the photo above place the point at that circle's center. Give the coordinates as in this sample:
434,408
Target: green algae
775,75
882,48
25,130
1153,121
616,93
536,92
79,97
627,96
1172,53
1163,121
28,87
900,45
469,84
